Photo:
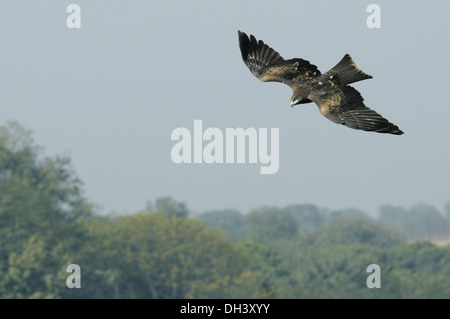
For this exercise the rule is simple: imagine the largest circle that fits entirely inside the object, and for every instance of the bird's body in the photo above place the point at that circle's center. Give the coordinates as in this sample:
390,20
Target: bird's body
336,100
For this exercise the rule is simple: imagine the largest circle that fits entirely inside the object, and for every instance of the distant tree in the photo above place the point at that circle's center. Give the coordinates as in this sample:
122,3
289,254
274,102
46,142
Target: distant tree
168,206
426,221
229,221
348,231
349,213
309,217
269,224
393,216
418,222
447,215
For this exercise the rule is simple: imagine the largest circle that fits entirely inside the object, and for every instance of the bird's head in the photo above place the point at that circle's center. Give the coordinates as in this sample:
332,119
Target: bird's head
295,100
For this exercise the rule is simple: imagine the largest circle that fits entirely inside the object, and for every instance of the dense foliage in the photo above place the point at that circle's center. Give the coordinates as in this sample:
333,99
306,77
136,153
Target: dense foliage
299,251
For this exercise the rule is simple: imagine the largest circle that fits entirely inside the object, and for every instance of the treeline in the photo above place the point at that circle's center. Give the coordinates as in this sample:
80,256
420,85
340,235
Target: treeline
299,251
420,222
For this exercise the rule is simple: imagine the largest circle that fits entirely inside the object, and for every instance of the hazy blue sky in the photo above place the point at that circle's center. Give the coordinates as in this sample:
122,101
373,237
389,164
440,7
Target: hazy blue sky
110,94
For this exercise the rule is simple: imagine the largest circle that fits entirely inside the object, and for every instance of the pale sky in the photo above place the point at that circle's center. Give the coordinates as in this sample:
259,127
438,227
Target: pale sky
110,94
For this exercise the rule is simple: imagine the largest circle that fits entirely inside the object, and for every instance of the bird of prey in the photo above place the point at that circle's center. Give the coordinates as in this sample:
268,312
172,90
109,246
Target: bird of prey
336,100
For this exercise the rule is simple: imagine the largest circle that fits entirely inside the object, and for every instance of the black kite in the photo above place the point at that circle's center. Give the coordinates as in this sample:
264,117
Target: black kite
337,101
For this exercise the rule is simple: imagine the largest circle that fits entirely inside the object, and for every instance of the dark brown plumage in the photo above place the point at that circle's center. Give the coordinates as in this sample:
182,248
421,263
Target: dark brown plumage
336,100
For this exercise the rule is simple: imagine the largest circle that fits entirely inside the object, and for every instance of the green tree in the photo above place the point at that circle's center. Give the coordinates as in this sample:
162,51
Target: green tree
229,221
416,223
336,271
308,217
422,270
447,215
349,213
348,231
152,255
42,211
168,206
269,224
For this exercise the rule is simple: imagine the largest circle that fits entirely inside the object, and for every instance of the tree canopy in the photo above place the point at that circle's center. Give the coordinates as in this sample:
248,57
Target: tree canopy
298,251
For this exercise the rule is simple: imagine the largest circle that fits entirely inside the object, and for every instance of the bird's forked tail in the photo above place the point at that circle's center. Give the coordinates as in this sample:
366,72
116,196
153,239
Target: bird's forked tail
348,72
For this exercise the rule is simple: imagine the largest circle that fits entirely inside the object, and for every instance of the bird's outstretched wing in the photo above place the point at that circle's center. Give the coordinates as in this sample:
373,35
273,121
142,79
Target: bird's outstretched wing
344,105
268,65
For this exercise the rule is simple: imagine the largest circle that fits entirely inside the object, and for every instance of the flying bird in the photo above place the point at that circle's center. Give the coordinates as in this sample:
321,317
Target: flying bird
337,101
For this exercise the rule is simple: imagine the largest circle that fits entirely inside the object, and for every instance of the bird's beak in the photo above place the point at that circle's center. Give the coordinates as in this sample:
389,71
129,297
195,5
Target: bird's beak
292,103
